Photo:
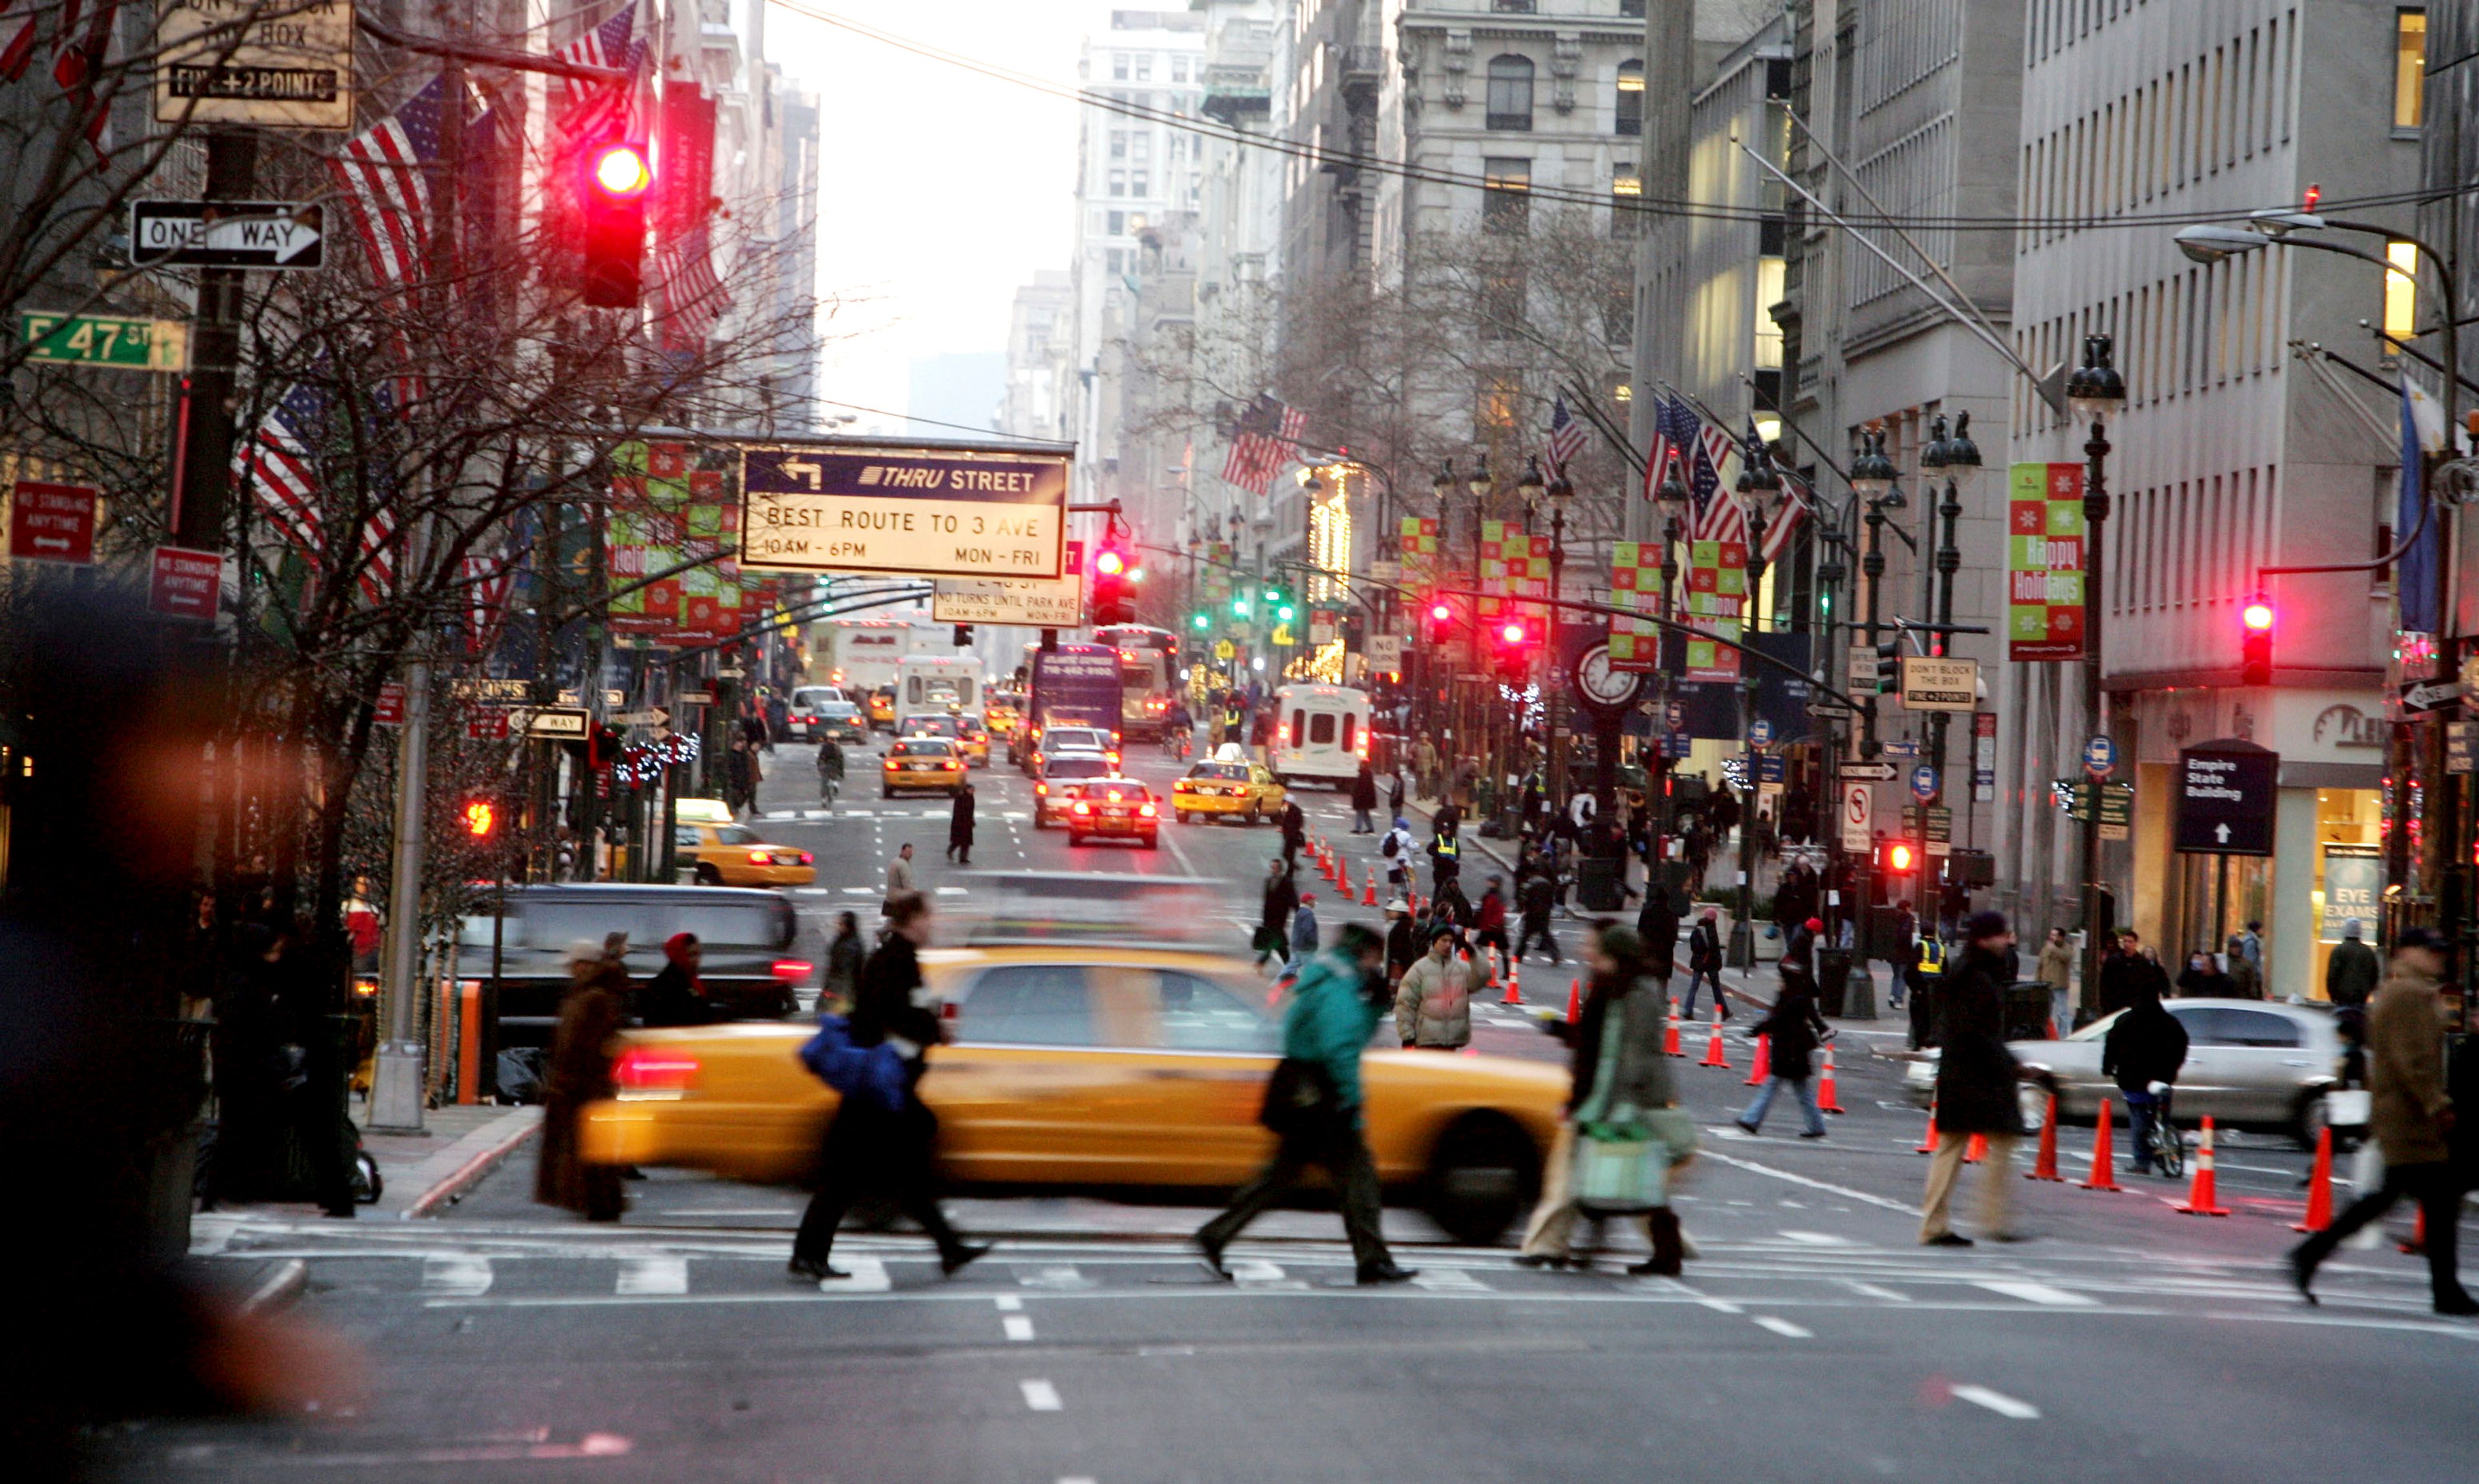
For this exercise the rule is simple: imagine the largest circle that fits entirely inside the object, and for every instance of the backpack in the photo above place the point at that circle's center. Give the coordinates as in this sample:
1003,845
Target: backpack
1392,847
872,1072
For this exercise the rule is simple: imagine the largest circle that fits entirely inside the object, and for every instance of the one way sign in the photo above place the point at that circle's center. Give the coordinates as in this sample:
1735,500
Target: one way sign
227,234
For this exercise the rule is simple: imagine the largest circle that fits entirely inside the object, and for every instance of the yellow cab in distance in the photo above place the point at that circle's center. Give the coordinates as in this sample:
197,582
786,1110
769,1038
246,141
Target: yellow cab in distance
730,854
881,706
1227,785
1002,709
1089,1055
920,766
975,740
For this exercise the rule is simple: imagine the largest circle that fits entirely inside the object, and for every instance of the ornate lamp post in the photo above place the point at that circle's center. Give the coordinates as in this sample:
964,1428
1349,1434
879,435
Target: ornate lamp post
1672,498
1872,480
2095,392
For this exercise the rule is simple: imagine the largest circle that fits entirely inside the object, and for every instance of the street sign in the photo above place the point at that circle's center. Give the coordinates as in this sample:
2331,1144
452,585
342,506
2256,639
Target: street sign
650,716
1923,783
696,698
1385,652
1224,650
1858,816
1863,666
490,724
488,688
285,64
1872,772
731,672
1773,769
1760,733
2100,757
1932,684
52,523
1673,716
102,339
2424,698
1931,825
1828,710
390,708
1895,749
942,512
2116,806
183,583
2226,793
227,234
1034,602
558,723
2461,746
1321,625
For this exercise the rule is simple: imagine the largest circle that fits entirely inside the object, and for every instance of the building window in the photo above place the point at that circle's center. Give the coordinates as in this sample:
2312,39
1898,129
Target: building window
1506,197
2410,67
1144,69
1119,224
1510,93
1141,147
1626,193
1117,259
1514,7
1179,69
1769,293
1502,302
1118,183
1137,184
1119,66
2401,294
1502,392
1630,98
1118,143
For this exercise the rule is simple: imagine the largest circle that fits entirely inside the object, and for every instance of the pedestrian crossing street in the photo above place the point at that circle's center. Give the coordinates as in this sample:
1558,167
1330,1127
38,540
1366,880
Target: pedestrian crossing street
1810,1274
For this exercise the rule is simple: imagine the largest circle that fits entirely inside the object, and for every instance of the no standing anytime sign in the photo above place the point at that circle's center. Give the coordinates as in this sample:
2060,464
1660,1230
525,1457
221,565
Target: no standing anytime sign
932,511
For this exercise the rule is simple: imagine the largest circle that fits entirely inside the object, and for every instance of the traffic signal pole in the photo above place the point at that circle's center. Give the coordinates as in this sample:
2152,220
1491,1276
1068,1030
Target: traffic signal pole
396,1093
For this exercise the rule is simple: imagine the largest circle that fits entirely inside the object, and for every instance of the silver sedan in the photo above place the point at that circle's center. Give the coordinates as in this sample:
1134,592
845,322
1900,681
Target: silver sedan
2248,1061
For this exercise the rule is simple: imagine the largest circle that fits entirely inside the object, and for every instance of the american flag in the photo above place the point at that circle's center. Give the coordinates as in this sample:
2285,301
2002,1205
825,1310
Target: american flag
694,299
1795,502
17,18
1566,437
598,109
487,581
1674,433
384,173
1263,442
278,466
77,56
606,45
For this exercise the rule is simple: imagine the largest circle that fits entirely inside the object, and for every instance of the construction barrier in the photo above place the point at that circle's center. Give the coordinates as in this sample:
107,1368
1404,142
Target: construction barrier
1763,1065
1827,1098
1714,1055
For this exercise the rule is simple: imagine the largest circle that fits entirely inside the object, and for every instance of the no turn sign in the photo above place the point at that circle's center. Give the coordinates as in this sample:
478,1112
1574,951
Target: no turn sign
1858,816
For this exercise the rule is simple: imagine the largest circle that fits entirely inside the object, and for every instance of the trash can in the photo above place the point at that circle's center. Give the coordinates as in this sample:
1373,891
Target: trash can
1597,883
1832,979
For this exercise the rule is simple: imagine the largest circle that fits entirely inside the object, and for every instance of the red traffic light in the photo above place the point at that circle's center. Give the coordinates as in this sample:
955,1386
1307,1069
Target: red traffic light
1440,613
1512,631
622,170
2257,616
1111,563
481,818
1898,858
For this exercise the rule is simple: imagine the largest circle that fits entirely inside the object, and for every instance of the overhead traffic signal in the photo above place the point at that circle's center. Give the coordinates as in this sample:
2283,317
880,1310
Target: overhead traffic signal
1441,621
1278,603
617,175
1889,666
481,818
2255,642
1200,619
1113,569
1895,857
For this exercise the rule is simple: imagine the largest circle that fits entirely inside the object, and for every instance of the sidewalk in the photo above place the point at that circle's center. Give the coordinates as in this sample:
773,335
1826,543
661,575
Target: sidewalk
418,1173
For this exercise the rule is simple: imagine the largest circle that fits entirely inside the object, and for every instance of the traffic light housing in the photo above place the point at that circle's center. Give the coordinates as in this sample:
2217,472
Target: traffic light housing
963,635
1889,666
1279,605
481,819
616,176
1896,857
2254,642
1113,569
1441,621
1200,621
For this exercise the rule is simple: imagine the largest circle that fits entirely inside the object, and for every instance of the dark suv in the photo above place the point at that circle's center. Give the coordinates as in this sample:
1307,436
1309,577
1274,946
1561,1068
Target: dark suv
747,936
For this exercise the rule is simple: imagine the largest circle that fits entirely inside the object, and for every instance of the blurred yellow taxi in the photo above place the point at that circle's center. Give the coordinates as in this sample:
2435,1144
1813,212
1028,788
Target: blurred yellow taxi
731,854
1226,788
1088,1065
975,740
1002,709
881,706
919,765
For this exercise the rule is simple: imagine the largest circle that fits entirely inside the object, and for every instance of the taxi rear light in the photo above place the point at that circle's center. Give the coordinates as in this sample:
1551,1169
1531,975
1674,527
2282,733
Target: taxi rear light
790,970
1041,788
1113,759
1081,807
1146,810
653,1069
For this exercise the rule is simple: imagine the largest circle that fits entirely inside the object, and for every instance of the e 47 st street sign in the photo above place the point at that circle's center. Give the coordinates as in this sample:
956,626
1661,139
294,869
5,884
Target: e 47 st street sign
227,234
104,340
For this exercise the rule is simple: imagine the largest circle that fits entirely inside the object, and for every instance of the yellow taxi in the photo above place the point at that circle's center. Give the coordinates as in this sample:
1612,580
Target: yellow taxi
728,855
1088,1065
881,706
1113,809
1227,787
920,766
1002,709
972,741
975,738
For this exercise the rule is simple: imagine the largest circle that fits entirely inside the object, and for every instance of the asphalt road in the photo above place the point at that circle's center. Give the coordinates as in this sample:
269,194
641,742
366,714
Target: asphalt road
1811,1339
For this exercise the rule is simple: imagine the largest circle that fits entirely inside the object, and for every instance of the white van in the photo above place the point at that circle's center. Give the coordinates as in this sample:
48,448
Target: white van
1321,733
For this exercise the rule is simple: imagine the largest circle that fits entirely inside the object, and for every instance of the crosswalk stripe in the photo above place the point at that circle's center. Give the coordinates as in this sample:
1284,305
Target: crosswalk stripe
2034,1292
455,1275
1451,1280
1056,1276
1998,1402
661,1273
868,1277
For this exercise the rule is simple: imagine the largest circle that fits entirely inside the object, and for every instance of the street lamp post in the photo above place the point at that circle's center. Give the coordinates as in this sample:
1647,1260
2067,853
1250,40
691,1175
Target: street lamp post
1872,480
2094,391
1672,497
1759,485
1955,458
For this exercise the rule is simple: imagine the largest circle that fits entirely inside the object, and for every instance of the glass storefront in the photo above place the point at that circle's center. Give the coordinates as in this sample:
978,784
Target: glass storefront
2349,869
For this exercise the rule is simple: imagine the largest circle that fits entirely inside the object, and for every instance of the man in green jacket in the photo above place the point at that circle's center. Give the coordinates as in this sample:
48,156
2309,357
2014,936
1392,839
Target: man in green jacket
1332,1015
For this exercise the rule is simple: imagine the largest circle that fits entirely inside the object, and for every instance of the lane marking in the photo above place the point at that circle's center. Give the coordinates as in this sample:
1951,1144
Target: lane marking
1872,1290
1008,1303
2031,1293
1018,1328
1061,1276
1784,1327
1844,1192
1451,1280
1998,1402
950,891
868,1277
1721,1306
1816,1238
453,1275
1042,1396
657,1274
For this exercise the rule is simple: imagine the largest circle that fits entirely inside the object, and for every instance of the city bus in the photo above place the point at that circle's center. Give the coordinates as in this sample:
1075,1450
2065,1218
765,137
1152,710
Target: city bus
1148,676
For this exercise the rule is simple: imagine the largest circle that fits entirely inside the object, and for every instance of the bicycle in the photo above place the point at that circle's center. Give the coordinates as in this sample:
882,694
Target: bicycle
1176,745
2166,1146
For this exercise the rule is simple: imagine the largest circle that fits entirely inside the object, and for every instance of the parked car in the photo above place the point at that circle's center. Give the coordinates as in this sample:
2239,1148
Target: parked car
2257,1063
750,972
1089,1066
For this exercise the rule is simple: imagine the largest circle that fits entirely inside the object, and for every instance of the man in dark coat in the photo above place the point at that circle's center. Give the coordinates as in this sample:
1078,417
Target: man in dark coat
2145,1045
1282,899
1295,828
1364,799
869,1148
960,828
1535,897
677,996
1704,964
1656,927
2350,975
1974,1086
2127,974
578,1072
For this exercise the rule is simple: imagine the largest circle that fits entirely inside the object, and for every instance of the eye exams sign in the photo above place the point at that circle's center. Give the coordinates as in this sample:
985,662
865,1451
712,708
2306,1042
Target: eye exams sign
934,512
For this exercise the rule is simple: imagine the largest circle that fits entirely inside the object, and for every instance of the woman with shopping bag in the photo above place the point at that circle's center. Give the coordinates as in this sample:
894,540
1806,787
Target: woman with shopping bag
1622,1138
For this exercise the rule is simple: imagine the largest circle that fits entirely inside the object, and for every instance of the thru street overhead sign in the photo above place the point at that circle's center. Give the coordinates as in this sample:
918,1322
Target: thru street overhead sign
2226,793
912,511
227,234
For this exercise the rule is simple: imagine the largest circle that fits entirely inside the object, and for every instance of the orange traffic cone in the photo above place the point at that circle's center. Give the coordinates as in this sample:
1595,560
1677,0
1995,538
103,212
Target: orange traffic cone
1714,1056
1514,984
1575,998
1368,893
2045,1167
2104,1171
1976,1150
1828,1099
2202,1199
1763,1066
1670,1037
1343,878
2320,1187
2417,1242
1928,1135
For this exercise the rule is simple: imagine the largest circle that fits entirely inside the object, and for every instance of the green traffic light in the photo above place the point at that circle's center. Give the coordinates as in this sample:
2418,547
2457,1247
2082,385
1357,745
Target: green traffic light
1284,613
1240,607
1200,619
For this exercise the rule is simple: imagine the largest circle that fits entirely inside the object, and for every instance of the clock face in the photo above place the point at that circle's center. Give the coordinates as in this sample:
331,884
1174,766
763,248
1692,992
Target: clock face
1600,683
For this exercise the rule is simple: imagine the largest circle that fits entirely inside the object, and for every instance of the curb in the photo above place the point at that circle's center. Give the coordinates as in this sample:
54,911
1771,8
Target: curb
282,1285
468,1174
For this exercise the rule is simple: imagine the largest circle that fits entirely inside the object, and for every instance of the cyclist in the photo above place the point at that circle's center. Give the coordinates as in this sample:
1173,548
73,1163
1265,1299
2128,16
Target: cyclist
2143,1052
830,770
1177,728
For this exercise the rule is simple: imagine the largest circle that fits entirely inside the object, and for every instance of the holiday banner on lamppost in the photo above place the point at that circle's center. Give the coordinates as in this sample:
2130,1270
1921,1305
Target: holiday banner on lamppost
2044,562
1716,596
1635,584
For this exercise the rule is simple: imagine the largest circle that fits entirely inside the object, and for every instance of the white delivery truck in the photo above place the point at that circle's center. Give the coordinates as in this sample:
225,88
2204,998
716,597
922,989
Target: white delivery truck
1321,733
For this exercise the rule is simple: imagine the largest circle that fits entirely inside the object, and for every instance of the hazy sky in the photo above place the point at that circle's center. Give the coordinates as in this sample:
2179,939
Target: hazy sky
941,189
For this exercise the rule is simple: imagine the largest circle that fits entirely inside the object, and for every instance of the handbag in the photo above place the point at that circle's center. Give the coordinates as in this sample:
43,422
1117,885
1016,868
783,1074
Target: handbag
1300,1098
1622,1168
